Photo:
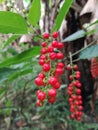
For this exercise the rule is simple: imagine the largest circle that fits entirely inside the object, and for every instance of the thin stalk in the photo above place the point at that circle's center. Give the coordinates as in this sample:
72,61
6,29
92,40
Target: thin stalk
80,50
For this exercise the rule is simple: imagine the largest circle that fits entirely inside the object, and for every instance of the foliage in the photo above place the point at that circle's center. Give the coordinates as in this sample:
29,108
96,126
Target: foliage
19,68
10,23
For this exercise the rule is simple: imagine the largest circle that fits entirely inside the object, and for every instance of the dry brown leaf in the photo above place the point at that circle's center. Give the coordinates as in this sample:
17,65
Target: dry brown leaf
89,7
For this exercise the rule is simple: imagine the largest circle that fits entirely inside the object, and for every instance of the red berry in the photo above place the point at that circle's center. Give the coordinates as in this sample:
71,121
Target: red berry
39,103
50,49
60,65
46,67
52,55
53,80
59,71
79,118
52,92
77,113
41,62
80,102
75,67
39,81
41,95
69,92
80,113
46,35
68,67
70,88
79,84
55,35
51,99
74,97
43,44
38,91
72,116
60,55
43,57
79,97
80,108
78,73
77,76
70,100
74,83
60,45
78,91
56,85
76,102
72,108
41,75
55,44
71,77
43,51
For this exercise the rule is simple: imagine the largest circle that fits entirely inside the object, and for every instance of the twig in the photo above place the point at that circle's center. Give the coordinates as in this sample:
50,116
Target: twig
80,51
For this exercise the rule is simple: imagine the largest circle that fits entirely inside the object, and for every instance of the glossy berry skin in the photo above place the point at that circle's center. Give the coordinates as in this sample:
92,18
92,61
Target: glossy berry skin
38,91
78,91
55,44
68,67
78,73
52,92
43,51
50,48
78,76
41,75
80,108
79,85
38,103
72,116
59,71
39,81
41,62
43,57
60,65
60,45
56,85
41,95
79,97
46,35
60,55
46,67
51,99
71,77
55,35
43,44
52,80
52,55
75,67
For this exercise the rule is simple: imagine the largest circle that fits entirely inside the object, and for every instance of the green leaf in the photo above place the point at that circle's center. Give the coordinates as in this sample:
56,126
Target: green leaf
22,57
35,12
20,73
10,40
75,36
1,1
8,104
89,52
61,15
12,23
5,72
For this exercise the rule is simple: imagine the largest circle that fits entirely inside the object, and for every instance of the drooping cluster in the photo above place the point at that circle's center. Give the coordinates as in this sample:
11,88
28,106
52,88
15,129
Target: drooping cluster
50,60
74,91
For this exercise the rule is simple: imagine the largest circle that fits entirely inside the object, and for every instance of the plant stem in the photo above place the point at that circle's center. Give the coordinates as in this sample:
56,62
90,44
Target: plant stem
80,51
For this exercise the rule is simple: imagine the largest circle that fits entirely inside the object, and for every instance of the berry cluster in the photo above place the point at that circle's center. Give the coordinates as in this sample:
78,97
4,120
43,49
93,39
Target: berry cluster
52,68
74,91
